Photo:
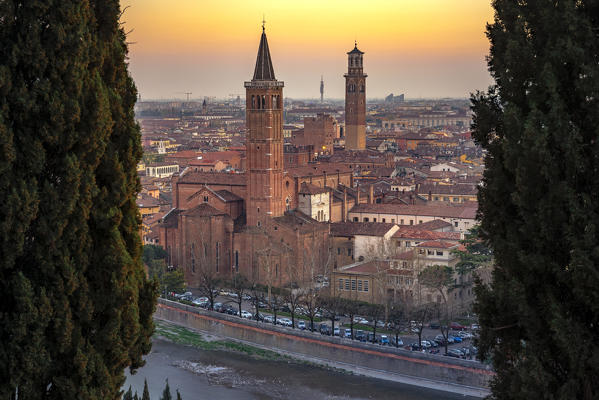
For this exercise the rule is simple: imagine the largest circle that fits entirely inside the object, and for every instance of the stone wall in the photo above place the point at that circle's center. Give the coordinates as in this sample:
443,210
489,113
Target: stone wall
388,360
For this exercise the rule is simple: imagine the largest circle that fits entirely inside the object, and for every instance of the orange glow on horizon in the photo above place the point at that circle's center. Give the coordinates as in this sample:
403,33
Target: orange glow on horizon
390,32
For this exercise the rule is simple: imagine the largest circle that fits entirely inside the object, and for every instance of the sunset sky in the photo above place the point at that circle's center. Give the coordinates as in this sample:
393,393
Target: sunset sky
423,48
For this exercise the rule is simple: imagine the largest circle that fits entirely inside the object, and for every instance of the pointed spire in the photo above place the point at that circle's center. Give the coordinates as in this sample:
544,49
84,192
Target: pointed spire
264,70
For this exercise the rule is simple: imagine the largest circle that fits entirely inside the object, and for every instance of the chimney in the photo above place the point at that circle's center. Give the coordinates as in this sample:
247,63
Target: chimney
371,194
338,178
325,178
344,205
430,196
357,194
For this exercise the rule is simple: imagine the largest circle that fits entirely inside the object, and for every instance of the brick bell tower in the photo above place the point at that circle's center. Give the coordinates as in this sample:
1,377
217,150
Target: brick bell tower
355,101
264,141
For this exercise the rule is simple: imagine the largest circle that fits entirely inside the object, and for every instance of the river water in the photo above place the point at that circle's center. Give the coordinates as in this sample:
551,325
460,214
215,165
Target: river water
216,374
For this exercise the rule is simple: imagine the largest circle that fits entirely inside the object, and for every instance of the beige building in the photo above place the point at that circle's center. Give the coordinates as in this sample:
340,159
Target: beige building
462,217
314,201
161,170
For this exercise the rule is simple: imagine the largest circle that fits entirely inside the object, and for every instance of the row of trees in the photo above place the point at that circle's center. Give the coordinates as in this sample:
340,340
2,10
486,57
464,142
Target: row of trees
166,393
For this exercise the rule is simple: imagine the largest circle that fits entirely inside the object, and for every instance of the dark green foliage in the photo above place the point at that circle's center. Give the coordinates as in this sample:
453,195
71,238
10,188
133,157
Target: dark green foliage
477,253
539,203
135,396
146,393
166,394
179,395
153,252
76,307
128,394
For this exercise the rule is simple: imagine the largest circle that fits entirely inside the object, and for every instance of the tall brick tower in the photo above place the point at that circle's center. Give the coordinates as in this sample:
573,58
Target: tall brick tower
264,141
355,102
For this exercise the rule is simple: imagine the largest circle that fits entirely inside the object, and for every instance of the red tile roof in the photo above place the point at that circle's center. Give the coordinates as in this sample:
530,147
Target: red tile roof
437,244
360,228
308,188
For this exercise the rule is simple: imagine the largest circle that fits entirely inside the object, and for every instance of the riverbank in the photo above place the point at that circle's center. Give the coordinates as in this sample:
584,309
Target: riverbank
203,366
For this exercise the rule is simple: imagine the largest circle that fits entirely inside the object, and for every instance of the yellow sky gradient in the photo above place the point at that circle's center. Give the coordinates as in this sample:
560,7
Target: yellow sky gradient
412,46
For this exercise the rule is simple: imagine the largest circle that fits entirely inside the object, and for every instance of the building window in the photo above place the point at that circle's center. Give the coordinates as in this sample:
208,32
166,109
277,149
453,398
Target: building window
439,253
347,284
374,220
205,199
359,285
411,222
236,260
348,252
338,251
383,219
340,284
365,286
353,285
408,244
355,219
392,220
259,224
401,222
365,219
429,252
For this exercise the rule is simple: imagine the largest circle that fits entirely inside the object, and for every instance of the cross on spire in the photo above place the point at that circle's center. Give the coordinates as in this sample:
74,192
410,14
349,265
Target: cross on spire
263,22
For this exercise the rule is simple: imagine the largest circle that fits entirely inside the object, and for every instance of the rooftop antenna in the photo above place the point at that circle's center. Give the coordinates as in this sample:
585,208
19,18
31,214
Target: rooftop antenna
321,89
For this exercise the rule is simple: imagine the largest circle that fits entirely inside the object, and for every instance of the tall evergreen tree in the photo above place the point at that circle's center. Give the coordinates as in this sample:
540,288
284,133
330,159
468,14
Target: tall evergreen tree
539,203
76,308
166,393
146,394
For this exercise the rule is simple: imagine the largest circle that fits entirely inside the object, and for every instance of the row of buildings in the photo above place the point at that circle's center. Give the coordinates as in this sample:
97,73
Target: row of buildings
320,201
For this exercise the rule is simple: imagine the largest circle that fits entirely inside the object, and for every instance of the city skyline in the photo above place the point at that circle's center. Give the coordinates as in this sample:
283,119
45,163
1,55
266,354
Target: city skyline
205,48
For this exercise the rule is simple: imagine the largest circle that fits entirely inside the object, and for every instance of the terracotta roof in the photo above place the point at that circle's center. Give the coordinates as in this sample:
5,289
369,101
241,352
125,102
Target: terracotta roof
434,225
433,210
228,196
464,189
438,244
318,170
308,188
203,210
145,200
407,232
366,267
213,178
360,228
298,220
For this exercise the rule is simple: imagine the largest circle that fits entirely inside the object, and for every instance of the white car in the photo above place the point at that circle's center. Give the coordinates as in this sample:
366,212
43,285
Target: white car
246,314
284,321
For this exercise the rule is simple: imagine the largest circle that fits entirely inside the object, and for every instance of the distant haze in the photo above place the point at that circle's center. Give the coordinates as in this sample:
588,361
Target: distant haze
423,48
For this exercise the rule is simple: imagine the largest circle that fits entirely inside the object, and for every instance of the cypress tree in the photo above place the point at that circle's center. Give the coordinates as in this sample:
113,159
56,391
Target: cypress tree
166,393
76,307
539,203
146,394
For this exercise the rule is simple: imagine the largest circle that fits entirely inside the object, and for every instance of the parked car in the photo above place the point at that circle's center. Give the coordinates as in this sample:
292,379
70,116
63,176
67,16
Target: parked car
246,314
347,333
336,331
384,340
268,319
399,342
360,335
440,339
301,324
324,329
371,338
457,327
475,327
231,310
434,325
433,342
465,335
218,307
284,322
246,297
360,320
454,353
456,339
179,295
426,344
200,301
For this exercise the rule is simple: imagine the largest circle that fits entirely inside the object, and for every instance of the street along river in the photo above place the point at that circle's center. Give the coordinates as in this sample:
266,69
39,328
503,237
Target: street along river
206,369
